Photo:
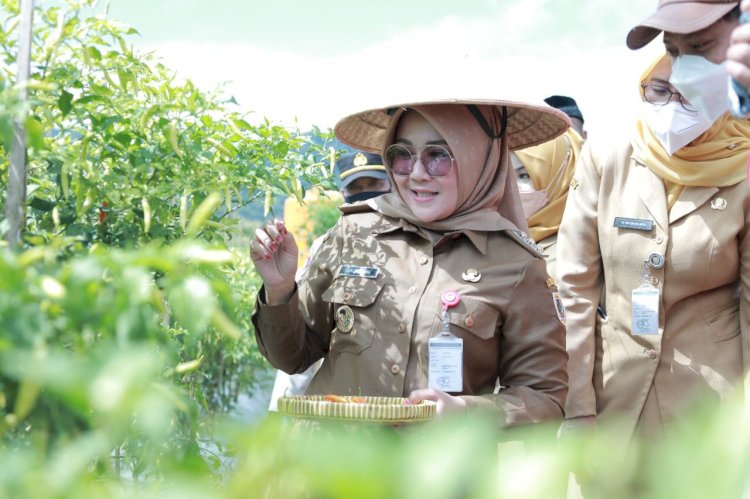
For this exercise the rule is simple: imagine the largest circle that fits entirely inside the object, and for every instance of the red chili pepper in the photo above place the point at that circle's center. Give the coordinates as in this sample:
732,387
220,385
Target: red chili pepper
102,212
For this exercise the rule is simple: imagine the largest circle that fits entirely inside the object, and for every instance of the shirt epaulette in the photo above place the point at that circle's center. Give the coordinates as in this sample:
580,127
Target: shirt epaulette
524,240
358,207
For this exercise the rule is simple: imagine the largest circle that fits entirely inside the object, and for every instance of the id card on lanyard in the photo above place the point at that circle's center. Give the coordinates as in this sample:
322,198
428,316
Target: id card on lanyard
645,305
446,353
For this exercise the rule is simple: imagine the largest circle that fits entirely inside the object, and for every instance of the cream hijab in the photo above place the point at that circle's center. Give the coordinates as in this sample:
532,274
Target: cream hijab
488,197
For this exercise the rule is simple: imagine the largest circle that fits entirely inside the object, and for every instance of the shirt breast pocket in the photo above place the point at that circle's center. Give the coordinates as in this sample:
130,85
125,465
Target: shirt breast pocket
471,318
356,314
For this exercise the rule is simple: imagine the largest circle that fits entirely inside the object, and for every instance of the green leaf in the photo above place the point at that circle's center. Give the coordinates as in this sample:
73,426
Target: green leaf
193,303
27,397
65,102
34,135
93,53
42,204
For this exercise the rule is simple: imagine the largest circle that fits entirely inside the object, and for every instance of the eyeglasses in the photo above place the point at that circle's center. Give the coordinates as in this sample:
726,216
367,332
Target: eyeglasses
437,160
661,95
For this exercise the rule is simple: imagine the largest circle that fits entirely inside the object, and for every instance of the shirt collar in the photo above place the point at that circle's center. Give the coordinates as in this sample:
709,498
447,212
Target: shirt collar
388,225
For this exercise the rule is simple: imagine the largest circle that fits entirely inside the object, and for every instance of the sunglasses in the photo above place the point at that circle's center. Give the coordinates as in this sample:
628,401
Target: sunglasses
437,160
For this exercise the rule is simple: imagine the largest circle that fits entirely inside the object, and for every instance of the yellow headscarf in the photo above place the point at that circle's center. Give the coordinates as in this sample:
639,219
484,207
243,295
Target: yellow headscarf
716,158
551,166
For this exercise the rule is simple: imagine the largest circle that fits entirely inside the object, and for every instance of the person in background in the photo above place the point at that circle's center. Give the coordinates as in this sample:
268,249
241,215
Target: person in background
543,173
444,256
654,265
569,106
359,176
698,36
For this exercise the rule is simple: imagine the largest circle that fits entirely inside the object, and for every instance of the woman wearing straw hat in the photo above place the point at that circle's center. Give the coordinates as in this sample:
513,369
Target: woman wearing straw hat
654,264
434,291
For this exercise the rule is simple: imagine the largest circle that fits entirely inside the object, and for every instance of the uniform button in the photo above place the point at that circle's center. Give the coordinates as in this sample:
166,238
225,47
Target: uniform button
469,321
412,290
347,296
658,238
651,354
423,260
402,328
395,369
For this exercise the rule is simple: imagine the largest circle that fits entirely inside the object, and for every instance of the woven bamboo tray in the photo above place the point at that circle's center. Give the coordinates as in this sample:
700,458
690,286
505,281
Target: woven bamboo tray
371,409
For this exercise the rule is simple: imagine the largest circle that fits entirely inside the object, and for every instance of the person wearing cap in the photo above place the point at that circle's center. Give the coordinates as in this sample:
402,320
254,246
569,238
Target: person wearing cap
543,173
569,106
444,257
698,36
359,176
654,266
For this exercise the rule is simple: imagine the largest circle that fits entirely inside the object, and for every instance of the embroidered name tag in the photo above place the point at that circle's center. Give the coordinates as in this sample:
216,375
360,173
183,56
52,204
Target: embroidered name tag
633,223
357,271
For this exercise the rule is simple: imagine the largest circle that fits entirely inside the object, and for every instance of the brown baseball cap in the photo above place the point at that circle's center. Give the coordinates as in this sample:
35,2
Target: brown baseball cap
679,16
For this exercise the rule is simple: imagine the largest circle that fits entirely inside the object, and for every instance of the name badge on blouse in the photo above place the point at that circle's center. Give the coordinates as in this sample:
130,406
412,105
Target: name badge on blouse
357,271
633,223
446,352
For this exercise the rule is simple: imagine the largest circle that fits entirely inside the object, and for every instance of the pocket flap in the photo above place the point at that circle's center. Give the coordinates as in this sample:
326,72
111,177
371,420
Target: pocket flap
475,316
354,291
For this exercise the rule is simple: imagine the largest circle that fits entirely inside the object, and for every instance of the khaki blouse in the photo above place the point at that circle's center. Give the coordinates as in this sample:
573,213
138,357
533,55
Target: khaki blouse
512,330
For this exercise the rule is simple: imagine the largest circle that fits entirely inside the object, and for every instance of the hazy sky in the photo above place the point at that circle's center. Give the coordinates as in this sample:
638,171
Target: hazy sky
315,61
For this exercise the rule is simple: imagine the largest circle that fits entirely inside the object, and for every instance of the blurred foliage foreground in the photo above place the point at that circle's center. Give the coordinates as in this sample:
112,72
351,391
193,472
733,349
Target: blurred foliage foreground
96,400
125,335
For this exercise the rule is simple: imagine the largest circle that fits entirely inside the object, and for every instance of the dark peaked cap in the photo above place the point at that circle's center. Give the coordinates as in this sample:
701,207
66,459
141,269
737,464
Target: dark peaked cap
565,104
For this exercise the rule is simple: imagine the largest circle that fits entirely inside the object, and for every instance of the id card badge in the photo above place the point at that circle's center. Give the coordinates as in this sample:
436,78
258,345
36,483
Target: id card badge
446,366
645,311
445,352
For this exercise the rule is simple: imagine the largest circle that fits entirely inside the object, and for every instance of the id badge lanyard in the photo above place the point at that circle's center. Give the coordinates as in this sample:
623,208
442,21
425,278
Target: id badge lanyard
645,300
446,352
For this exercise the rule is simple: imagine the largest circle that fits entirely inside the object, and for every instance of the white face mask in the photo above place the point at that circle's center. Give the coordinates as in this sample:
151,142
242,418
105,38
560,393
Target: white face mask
674,126
531,200
703,84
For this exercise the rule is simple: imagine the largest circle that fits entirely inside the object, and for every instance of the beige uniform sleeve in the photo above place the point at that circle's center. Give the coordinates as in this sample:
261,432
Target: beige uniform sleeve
532,368
579,270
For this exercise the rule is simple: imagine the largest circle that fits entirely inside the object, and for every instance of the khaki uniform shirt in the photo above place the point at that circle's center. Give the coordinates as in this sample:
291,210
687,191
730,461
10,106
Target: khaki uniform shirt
507,318
548,246
703,288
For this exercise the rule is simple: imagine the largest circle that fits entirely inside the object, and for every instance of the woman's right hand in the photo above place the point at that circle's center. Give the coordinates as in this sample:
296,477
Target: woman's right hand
274,254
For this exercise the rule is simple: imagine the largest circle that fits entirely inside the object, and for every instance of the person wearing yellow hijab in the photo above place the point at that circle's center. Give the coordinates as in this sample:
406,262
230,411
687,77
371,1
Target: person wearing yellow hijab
654,262
543,173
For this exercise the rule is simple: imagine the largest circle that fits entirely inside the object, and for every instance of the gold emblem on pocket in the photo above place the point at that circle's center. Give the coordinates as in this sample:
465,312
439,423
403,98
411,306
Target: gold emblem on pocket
344,319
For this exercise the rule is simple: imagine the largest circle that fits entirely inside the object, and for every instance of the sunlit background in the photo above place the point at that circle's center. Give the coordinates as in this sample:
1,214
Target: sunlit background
311,63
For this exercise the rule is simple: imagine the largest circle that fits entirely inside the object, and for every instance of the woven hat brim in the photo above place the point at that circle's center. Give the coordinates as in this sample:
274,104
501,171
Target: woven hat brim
683,18
528,124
